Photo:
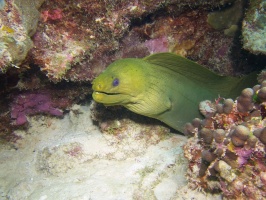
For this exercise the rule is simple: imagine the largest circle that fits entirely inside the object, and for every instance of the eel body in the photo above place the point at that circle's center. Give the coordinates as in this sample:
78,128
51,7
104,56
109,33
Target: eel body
164,86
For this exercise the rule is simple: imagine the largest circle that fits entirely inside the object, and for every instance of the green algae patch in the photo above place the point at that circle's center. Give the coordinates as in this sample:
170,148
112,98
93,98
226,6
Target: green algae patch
227,18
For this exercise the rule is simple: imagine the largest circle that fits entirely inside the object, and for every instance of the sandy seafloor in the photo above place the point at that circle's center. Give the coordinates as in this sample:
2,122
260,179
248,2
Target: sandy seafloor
70,159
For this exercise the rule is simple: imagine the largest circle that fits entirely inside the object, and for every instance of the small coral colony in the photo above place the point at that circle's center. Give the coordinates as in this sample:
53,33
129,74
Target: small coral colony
226,150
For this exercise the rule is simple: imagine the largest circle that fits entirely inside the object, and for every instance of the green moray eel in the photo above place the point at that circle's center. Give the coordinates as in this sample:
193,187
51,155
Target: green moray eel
164,86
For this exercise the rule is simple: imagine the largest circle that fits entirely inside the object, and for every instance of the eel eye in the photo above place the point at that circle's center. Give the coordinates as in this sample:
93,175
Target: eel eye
116,82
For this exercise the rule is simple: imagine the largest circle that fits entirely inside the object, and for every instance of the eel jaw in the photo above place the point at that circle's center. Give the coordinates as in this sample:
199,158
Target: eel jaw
110,98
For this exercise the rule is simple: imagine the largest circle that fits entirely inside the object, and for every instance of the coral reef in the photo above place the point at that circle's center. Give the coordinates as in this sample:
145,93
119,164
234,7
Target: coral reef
88,35
75,41
227,150
18,22
85,33
188,34
254,27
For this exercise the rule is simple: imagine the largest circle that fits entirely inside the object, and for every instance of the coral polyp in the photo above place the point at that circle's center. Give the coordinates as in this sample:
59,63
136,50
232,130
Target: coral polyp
227,151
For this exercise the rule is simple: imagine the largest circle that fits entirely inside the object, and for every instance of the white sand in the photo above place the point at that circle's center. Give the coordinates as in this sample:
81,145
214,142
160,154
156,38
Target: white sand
70,159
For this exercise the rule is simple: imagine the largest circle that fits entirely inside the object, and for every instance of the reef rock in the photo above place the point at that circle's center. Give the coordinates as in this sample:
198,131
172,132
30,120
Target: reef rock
18,22
76,41
254,27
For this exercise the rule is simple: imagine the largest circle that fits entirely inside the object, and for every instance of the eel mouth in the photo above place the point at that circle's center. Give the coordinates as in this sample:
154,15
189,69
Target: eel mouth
105,93
110,98
106,97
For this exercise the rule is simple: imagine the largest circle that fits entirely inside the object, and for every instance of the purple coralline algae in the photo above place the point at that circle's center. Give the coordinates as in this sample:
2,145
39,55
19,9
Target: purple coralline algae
227,150
31,104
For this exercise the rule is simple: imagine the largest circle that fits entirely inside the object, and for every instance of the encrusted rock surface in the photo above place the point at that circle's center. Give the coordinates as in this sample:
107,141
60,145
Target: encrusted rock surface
18,22
254,27
76,41
83,36
88,35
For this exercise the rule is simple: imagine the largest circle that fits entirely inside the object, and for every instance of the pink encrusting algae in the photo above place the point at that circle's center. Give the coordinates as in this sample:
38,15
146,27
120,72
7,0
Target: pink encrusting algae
31,104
